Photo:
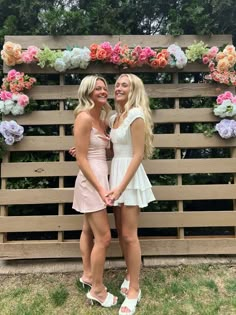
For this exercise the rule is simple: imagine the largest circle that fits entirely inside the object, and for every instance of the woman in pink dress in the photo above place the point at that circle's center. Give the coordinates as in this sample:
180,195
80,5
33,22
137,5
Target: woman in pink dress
131,136
91,185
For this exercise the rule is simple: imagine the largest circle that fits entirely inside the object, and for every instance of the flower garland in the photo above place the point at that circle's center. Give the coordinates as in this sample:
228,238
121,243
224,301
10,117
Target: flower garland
221,63
119,55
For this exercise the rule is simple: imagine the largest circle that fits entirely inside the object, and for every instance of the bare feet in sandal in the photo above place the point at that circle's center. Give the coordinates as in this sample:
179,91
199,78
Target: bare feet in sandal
104,298
124,288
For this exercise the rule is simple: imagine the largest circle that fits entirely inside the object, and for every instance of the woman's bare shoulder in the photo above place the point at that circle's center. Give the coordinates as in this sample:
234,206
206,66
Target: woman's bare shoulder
83,117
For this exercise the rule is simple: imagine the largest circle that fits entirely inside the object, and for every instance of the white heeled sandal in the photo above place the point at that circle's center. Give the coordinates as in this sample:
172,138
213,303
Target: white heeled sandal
108,302
124,285
85,283
130,304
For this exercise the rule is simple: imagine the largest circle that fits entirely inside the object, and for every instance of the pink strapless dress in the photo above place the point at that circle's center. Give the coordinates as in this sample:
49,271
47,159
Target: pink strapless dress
86,198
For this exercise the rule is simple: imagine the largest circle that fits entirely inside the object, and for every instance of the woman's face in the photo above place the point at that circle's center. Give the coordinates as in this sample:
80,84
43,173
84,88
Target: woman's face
100,93
122,89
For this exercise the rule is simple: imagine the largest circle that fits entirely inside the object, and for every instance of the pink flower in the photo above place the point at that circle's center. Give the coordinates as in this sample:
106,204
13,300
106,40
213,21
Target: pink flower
12,74
213,52
5,95
205,60
115,59
227,95
33,50
23,100
26,57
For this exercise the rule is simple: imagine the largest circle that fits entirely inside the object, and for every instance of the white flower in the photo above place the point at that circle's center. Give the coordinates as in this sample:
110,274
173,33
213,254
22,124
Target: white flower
9,104
2,106
177,56
60,65
15,97
66,56
17,110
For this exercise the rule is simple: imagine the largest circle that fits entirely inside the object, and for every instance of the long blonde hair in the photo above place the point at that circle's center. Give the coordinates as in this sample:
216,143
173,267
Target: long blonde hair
138,98
86,87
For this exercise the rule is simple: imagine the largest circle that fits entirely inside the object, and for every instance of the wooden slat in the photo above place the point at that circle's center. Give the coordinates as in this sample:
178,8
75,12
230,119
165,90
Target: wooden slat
192,141
56,117
147,220
65,195
56,143
60,42
53,92
149,247
184,115
166,40
195,192
106,68
51,117
183,166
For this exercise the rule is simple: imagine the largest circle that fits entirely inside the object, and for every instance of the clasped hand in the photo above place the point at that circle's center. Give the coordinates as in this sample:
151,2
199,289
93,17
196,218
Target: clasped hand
112,195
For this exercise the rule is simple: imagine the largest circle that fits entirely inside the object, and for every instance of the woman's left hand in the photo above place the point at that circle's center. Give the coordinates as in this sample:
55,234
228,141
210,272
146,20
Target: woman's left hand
72,152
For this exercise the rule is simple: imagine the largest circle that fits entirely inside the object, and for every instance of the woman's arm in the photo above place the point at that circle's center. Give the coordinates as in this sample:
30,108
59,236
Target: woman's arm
82,130
138,142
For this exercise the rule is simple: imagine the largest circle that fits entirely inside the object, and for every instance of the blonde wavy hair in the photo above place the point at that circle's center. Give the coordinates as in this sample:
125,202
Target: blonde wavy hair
138,98
86,87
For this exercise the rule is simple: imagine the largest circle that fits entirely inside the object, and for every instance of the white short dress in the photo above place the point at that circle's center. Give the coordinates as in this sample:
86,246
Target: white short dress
139,190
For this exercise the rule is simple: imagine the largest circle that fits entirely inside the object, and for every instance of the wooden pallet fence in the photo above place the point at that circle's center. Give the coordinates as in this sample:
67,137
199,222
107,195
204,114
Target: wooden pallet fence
60,221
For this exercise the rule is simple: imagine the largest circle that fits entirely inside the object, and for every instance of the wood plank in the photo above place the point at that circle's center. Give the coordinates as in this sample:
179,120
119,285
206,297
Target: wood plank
195,192
168,192
147,220
70,168
192,141
50,117
162,141
103,68
60,42
66,117
184,115
149,247
183,90
164,41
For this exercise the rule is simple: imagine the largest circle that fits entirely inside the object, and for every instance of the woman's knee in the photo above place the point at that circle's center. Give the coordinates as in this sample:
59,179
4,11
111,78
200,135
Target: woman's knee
104,240
129,238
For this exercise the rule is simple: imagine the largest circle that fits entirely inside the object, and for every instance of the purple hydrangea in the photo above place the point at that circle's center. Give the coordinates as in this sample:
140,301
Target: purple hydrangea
11,131
226,128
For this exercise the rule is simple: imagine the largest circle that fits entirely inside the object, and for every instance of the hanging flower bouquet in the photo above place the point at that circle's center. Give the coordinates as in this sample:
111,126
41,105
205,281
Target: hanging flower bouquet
11,103
12,100
11,54
17,82
221,64
226,107
195,51
11,131
177,57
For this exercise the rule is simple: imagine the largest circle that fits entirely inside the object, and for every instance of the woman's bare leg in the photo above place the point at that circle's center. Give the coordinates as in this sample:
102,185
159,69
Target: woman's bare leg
98,221
86,245
118,223
130,217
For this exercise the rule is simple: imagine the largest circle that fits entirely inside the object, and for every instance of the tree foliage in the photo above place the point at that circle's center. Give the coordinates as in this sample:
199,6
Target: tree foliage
83,17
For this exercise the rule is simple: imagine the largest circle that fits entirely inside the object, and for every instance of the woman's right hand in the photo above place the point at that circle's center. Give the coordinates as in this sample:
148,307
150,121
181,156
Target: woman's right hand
105,197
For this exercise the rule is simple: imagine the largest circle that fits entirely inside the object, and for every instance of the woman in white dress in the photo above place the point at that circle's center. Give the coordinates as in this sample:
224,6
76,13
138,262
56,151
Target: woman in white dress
131,135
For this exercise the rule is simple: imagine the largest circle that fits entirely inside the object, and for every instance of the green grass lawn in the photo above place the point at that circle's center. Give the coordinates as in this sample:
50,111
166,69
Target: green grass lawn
198,290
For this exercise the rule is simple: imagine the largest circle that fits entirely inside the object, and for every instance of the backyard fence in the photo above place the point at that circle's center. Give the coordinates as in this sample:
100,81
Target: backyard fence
187,227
